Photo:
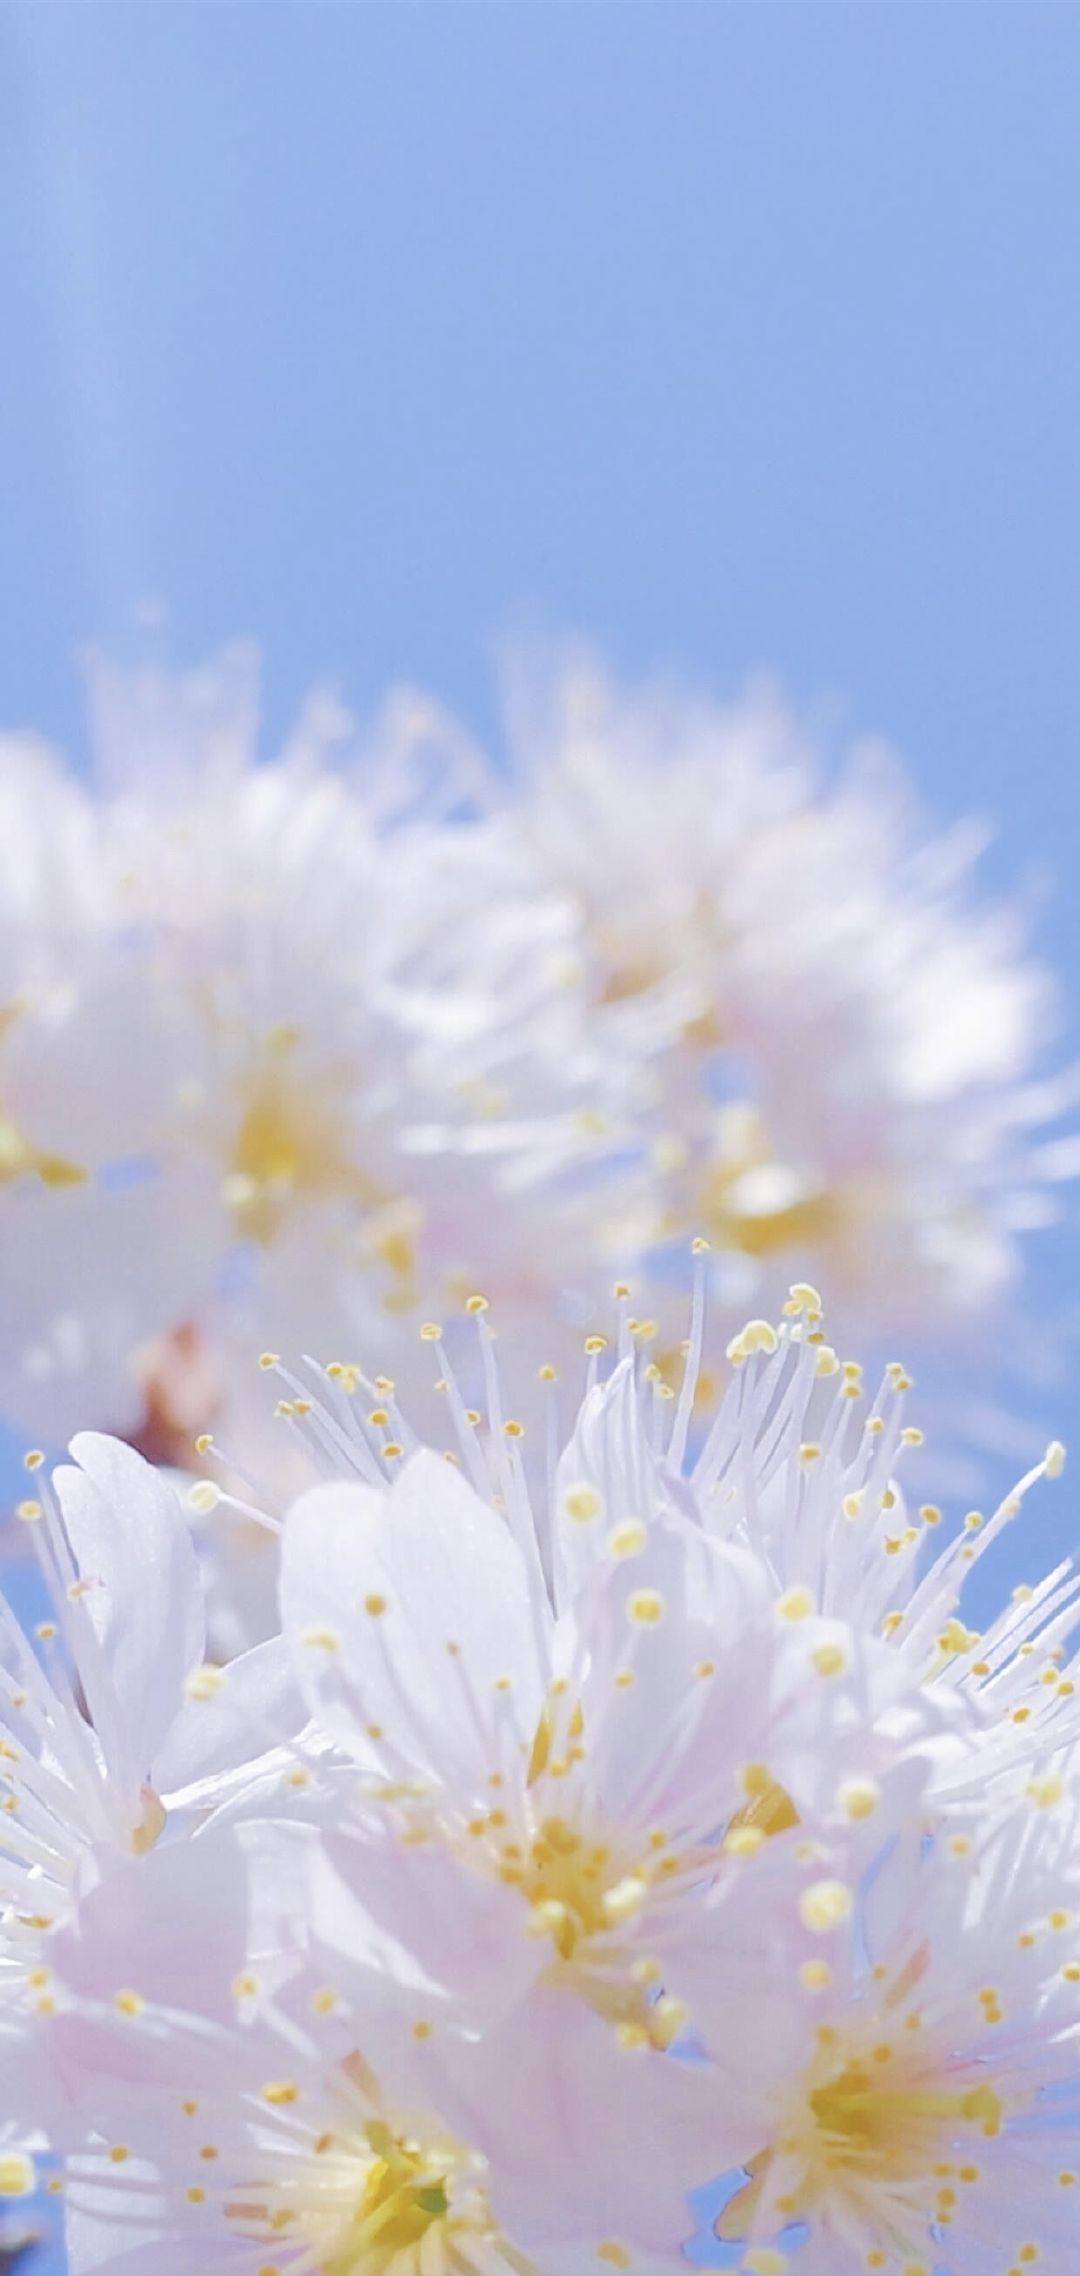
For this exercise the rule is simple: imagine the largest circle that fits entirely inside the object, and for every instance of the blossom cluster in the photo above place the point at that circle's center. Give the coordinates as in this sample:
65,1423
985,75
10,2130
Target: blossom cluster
601,1822
318,1045
459,1830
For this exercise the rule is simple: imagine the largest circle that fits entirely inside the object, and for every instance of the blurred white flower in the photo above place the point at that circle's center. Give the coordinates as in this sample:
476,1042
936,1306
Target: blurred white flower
273,1047
835,1041
326,1042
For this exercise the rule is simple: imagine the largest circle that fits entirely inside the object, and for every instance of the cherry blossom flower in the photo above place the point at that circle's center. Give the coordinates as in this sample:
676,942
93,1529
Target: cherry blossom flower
252,2114
916,2080
114,1732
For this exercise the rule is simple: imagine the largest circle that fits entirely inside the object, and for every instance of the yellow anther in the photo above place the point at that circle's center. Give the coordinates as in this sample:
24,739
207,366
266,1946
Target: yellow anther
546,1918
744,1841
321,1639
858,1797
829,1659
205,1682
1046,1793
668,2020
825,1905
645,1607
795,1604
628,1540
582,1503
955,1638
271,1359
1054,1459
626,1898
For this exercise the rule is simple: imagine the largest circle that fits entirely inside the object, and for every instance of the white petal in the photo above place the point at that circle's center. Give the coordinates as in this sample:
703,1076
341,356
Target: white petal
143,1601
420,1915
607,1476
584,2138
405,1612
232,1716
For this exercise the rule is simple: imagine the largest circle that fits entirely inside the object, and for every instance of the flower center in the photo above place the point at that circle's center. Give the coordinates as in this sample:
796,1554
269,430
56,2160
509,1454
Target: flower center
751,1201
404,2197
292,1142
569,1883
881,2132
874,2128
20,1158
363,2196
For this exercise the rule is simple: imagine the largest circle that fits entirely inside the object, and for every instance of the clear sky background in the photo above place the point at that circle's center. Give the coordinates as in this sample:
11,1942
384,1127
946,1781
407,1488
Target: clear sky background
733,335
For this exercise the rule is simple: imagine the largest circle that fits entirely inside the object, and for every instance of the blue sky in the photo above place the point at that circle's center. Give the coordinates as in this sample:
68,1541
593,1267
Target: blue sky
735,336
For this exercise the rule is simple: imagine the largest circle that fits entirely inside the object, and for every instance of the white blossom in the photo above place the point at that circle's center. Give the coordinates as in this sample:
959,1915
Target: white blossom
114,1731
838,1044
248,2110
272,1047
916,2083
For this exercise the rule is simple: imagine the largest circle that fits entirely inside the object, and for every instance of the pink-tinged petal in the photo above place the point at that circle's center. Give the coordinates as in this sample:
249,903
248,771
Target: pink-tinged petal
411,1616
422,1916
176,1928
98,2237
585,2139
